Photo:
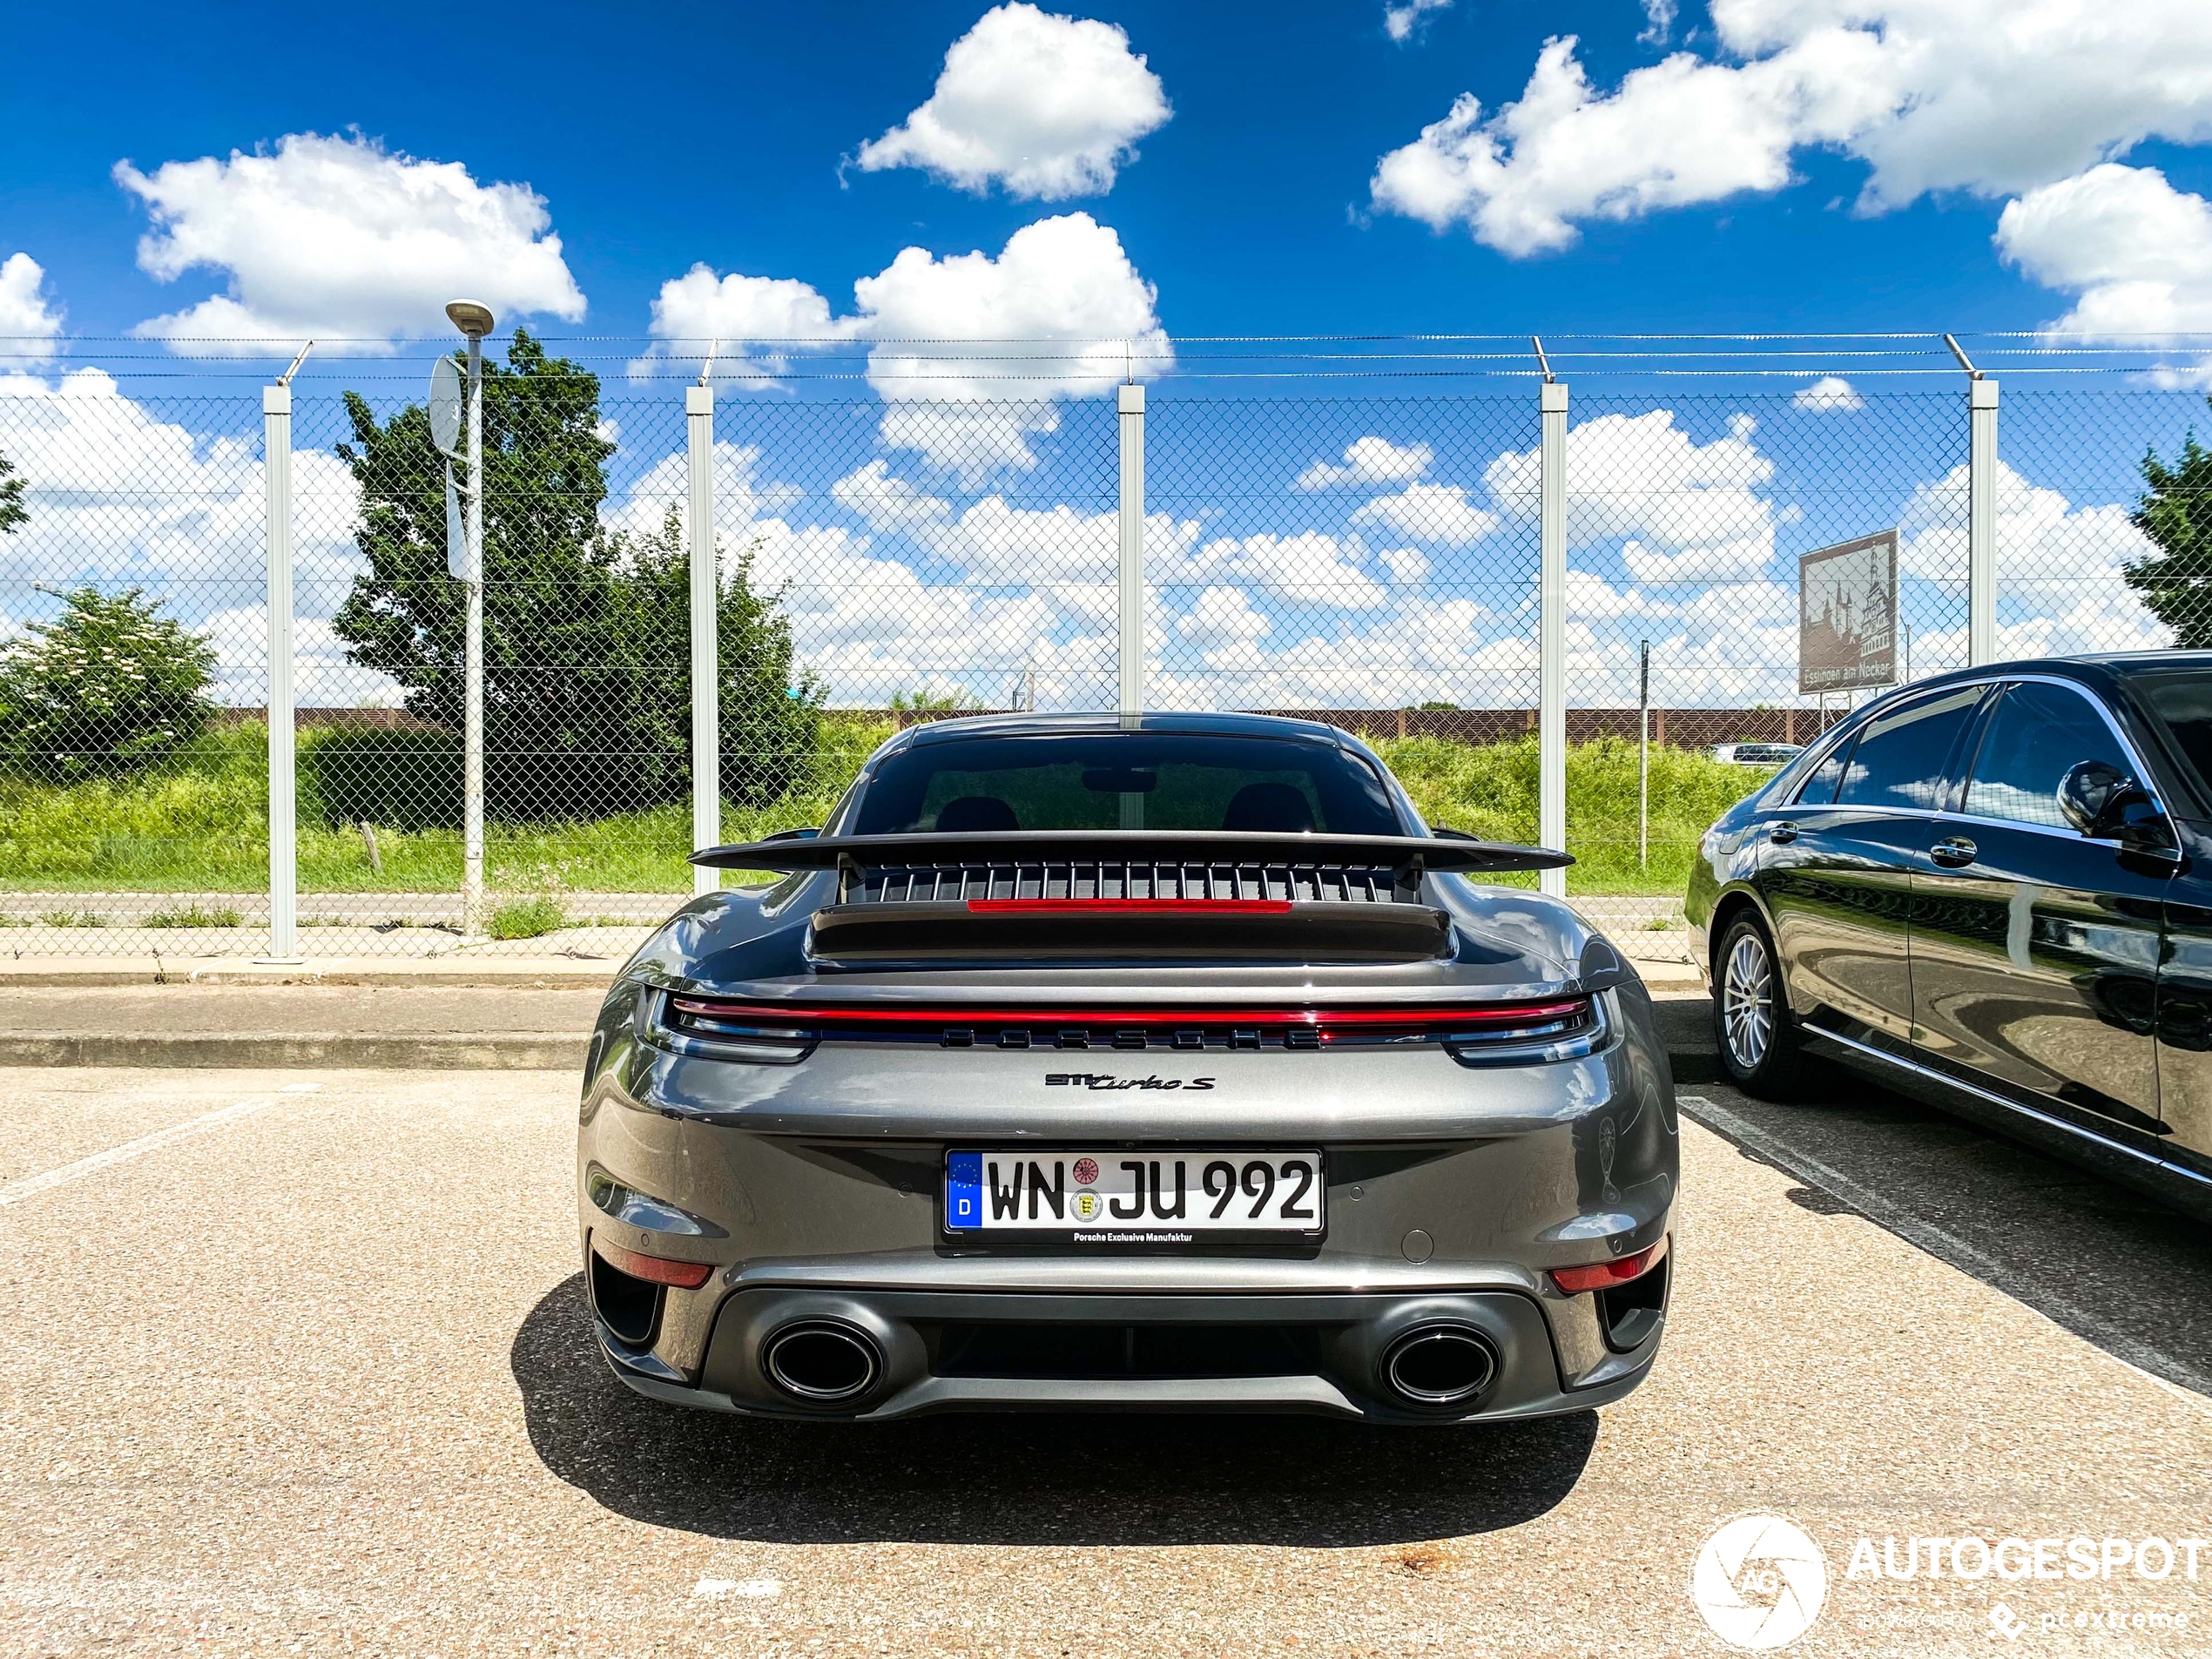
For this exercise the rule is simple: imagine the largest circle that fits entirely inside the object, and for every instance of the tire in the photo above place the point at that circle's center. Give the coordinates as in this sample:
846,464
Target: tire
1760,1048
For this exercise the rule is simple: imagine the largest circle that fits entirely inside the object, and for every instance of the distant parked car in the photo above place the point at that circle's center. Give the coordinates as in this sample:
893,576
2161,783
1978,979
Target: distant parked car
1757,754
1992,890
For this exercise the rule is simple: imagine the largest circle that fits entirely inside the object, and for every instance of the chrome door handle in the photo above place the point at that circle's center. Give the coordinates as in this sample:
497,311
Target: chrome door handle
1784,832
1954,853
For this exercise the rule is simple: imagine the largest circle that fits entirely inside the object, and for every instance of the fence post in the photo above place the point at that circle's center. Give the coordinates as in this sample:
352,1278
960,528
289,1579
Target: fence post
1132,613
706,678
284,836
1982,521
1551,635
1643,754
474,919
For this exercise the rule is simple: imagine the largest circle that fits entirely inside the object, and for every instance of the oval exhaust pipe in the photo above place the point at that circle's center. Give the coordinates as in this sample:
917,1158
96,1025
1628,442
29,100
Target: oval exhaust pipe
823,1362
1436,1367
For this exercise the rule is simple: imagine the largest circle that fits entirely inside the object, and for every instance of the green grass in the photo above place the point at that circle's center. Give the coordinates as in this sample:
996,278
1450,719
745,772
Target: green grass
530,918
1490,790
197,824
193,916
72,917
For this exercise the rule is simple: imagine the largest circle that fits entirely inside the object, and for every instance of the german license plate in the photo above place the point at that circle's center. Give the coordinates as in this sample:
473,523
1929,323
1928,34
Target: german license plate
1144,1197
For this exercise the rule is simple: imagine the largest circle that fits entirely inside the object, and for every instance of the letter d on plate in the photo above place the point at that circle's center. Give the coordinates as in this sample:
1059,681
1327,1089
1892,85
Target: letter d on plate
964,1189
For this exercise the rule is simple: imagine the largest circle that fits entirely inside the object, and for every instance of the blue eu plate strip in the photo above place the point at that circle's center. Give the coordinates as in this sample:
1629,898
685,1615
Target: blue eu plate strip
964,1189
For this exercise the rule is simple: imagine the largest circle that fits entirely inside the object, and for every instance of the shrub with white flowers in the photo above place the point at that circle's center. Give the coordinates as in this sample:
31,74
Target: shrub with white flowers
109,687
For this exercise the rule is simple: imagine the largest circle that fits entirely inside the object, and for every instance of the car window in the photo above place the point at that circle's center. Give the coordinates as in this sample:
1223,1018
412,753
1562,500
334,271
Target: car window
2036,736
1898,760
1139,780
1820,784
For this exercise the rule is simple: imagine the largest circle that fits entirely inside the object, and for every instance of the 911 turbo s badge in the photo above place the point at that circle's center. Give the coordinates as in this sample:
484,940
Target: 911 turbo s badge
1107,1080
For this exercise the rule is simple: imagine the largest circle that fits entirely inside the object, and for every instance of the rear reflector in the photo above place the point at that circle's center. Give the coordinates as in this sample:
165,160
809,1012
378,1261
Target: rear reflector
654,1270
1127,907
1603,1276
804,1019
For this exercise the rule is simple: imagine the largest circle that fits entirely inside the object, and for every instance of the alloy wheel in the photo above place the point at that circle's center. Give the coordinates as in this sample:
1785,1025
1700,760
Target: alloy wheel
1747,1001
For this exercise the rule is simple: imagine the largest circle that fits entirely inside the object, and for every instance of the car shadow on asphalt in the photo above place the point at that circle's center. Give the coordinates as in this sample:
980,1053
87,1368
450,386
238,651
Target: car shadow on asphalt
2118,1269
1021,1478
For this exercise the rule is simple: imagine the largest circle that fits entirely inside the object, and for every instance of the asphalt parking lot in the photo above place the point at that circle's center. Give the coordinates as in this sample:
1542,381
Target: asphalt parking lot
297,1362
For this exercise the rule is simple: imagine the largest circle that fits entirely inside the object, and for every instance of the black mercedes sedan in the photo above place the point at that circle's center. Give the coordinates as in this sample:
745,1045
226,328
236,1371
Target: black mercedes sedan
1990,890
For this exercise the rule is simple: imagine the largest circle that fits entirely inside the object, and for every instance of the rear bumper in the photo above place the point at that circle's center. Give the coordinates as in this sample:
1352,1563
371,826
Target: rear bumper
815,1190
1043,1352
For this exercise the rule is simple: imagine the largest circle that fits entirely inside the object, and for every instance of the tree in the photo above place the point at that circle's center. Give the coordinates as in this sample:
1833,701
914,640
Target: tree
13,513
586,630
2176,512
925,701
109,687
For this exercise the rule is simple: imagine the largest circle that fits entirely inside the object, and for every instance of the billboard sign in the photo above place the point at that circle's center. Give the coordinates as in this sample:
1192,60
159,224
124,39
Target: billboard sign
1847,615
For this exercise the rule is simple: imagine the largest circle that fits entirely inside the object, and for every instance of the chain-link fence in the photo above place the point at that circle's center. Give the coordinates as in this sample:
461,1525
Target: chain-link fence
133,784
1370,561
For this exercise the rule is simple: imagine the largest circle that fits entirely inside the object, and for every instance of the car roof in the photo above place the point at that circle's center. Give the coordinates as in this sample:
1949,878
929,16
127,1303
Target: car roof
2089,667
1034,726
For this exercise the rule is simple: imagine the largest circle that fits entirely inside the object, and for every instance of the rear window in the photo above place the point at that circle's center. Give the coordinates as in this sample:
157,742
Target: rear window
2182,702
1125,781
1820,787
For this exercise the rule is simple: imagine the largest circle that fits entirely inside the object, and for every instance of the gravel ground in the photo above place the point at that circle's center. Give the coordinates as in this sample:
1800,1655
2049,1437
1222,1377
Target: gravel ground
313,1376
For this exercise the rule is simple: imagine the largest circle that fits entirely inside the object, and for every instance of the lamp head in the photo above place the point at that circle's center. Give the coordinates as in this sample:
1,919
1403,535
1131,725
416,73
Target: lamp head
473,318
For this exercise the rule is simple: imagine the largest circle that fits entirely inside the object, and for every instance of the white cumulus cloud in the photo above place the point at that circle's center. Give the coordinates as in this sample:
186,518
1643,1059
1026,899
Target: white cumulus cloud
341,237
2062,584
954,393
1437,513
1830,394
31,324
2134,252
1401,21
1370,461
696,313
1991,96
1312,567
1047,106
1683,511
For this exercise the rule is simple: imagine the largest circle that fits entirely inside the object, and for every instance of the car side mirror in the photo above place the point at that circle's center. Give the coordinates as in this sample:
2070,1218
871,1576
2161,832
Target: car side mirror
2099,799
2091,792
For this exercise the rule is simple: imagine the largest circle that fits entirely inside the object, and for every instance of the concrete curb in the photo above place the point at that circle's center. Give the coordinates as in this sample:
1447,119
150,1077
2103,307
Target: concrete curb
320,1050
458,969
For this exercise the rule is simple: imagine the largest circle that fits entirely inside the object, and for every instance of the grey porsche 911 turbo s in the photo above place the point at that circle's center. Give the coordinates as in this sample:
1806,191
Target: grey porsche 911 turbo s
1166,1062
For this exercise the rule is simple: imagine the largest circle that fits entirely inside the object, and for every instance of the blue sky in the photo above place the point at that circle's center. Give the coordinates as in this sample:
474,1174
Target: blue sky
715,133
1145,173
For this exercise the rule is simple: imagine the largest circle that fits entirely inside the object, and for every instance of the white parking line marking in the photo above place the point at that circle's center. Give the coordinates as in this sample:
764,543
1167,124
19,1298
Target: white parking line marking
2136,1355
31,1185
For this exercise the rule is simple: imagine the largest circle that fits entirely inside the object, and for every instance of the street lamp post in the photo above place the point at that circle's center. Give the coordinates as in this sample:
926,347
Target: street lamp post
474,320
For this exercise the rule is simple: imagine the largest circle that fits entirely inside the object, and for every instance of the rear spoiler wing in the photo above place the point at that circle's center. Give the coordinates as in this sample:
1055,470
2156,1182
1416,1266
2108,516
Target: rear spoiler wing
1436,854
1310,923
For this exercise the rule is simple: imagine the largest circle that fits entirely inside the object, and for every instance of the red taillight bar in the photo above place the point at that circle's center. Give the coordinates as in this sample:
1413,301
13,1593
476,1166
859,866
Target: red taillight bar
1442,1016
654,1270
1118,906
1602,1276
